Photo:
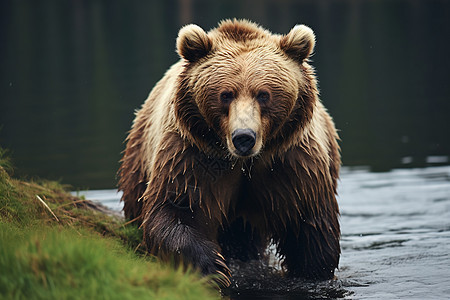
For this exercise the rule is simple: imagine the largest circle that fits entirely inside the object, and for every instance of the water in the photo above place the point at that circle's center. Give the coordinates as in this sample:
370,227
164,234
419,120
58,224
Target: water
395,241
109,198
396,233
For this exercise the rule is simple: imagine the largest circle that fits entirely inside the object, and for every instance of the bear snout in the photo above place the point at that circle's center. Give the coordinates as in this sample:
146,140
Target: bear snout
244,140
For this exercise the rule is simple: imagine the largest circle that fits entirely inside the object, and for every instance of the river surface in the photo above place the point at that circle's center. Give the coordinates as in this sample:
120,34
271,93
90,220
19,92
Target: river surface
395,241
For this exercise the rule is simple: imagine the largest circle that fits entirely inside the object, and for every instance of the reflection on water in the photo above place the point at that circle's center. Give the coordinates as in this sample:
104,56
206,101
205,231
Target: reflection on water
395,241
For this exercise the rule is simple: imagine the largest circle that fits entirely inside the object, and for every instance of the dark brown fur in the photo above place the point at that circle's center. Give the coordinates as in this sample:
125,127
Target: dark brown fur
196,201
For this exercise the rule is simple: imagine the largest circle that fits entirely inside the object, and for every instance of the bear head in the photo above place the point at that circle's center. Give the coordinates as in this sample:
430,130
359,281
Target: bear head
243,89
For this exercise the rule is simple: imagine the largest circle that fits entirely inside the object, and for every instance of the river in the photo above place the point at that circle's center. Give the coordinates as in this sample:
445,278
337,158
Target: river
395,240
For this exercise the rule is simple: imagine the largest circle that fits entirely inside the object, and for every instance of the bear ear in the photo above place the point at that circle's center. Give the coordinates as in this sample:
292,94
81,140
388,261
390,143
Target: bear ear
193,43
299,43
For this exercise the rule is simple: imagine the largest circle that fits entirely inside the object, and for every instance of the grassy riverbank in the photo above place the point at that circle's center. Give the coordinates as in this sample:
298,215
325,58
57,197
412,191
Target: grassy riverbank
52,246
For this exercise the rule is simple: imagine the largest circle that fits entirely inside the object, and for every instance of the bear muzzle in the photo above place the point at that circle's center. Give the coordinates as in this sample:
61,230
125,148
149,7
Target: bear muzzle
243,140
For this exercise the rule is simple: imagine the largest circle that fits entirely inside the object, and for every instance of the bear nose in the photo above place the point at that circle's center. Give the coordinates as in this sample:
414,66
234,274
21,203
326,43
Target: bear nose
243,140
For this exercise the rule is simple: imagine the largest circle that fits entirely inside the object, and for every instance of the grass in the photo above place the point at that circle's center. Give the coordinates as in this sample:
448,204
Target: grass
53,247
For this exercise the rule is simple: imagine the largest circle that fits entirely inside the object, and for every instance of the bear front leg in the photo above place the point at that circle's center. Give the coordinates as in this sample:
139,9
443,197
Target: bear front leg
239,240
178,233
309,251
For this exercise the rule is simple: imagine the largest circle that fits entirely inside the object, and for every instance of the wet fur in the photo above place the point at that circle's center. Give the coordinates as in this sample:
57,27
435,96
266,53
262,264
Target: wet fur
197,203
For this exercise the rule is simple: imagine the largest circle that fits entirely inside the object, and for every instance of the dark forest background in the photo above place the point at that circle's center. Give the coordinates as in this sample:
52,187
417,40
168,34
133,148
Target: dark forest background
73,72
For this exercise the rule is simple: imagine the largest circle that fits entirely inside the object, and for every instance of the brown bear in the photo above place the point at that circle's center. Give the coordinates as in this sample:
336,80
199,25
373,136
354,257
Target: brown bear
232,151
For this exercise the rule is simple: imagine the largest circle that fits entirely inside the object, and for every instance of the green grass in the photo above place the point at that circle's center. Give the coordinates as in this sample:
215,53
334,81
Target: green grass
62,250
50,262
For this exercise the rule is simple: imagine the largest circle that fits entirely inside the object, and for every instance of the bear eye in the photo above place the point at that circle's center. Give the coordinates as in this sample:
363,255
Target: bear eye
263,96
226,97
